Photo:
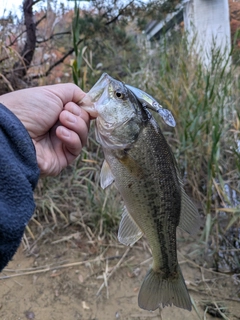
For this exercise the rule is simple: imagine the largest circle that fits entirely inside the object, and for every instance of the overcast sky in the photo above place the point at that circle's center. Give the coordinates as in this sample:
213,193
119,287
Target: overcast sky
15,6
9,5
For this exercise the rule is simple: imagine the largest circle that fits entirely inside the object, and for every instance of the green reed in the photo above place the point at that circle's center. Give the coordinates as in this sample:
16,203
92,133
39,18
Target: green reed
205,104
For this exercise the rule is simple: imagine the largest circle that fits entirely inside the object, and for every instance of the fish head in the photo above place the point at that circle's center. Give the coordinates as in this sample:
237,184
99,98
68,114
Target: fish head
118,113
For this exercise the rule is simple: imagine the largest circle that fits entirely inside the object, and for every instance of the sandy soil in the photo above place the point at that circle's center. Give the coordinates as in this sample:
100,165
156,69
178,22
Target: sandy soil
59,277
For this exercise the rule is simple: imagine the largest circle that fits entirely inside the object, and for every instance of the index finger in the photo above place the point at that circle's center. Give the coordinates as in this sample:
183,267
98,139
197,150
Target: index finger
67,92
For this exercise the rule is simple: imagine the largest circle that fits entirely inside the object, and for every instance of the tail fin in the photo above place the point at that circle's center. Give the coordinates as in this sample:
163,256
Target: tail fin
157,291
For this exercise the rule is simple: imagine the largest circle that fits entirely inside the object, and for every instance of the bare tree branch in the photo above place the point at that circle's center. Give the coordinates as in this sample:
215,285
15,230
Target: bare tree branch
54,35
21,33
121,11
36,1
45,74
20,68
40,20
15,39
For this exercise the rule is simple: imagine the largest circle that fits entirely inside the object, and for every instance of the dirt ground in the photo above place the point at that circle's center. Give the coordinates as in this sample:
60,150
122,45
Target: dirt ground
66,276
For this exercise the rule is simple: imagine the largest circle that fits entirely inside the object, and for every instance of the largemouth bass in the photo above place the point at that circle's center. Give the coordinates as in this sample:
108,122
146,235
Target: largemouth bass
140,162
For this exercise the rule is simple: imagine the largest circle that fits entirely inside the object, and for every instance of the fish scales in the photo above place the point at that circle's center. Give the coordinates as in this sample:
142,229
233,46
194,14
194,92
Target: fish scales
154,200
141,164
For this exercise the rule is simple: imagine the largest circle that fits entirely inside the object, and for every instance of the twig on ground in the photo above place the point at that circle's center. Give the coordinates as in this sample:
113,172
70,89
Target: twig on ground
48,268
43,269
200,267
220,312
160,313
25,242
195,307
232,299
205,282
113,270
105,277
145,261
144,315
67,238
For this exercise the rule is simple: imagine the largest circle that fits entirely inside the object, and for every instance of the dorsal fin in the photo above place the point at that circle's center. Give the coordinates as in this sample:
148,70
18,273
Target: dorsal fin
189,218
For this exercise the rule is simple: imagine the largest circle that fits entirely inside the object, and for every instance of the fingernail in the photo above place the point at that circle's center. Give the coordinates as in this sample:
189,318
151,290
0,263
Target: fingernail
65,132
71,118
77,111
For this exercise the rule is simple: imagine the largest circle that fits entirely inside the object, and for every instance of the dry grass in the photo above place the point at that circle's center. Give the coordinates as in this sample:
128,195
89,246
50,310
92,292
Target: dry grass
75,197
205,104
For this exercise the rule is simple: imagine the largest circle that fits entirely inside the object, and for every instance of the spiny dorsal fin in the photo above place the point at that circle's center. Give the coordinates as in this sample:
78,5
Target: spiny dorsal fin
128,232
106,176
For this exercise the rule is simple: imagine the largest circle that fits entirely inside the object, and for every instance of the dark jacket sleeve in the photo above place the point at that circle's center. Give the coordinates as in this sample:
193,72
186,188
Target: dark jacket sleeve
19,174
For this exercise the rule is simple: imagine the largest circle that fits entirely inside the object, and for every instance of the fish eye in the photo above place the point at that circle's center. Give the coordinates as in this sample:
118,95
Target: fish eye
119,95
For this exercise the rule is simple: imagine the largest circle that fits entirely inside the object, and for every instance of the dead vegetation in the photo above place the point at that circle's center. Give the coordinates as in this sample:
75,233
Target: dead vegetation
101,281
70,243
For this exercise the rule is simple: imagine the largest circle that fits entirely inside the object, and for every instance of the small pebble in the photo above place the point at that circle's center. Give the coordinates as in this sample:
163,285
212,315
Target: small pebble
30,315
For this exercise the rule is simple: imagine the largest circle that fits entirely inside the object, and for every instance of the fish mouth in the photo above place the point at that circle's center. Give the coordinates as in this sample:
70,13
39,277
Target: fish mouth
88,103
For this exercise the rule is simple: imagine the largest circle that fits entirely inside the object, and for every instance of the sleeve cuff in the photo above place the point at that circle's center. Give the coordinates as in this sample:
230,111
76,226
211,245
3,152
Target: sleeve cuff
19,174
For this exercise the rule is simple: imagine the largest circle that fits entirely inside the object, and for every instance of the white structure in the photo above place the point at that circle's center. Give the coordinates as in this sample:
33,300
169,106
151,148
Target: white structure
208,22
156,29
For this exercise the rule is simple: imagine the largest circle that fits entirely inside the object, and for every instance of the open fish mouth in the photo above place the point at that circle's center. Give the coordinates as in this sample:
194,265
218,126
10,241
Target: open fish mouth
88,103
97,91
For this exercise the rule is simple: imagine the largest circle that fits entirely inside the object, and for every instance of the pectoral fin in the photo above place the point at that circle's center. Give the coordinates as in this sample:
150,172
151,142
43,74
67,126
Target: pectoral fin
128,232
189,218
106,176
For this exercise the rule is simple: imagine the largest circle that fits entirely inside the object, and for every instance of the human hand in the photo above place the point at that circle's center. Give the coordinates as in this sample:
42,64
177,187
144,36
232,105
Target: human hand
57,125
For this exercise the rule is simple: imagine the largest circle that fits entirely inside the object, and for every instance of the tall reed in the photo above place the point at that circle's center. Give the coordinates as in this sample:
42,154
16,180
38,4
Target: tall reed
205,103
